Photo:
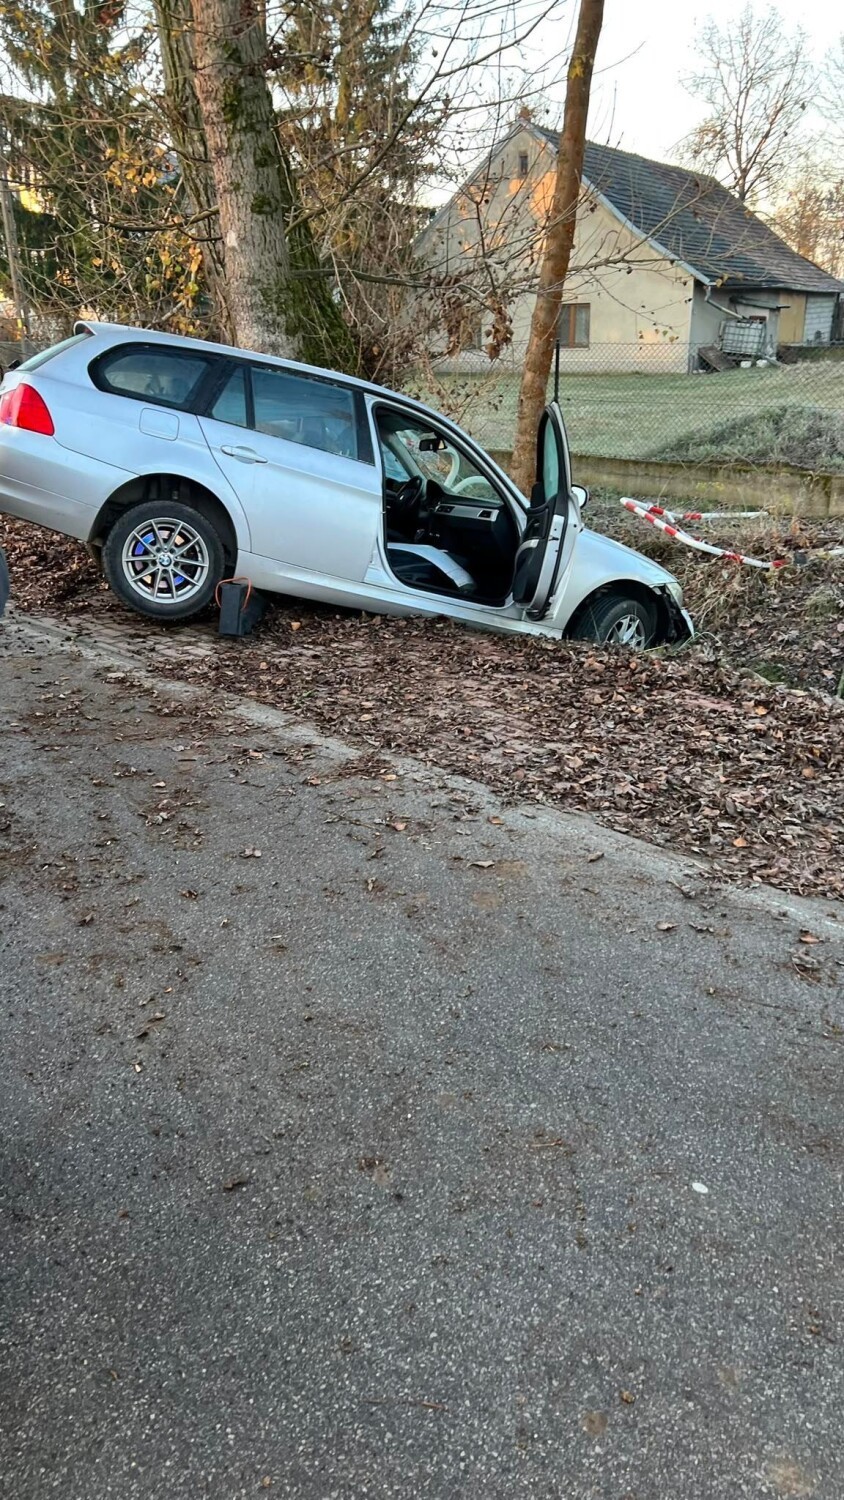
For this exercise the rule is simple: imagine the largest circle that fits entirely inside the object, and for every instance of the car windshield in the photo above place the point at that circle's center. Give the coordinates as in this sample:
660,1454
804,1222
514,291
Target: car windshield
409,447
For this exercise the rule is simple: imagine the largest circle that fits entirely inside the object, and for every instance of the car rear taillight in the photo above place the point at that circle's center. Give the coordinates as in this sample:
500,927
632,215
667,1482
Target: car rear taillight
25,407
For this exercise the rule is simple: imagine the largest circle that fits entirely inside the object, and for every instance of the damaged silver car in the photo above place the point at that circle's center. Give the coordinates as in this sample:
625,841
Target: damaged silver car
182,463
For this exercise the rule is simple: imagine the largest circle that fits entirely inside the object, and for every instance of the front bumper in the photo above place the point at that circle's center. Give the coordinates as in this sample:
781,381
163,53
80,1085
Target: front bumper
680,627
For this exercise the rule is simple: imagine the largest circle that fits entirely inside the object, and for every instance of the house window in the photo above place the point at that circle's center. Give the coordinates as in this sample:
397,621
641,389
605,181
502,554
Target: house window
573,327
523,164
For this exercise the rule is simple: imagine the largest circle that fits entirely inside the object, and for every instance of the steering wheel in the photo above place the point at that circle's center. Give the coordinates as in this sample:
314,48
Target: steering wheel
407,500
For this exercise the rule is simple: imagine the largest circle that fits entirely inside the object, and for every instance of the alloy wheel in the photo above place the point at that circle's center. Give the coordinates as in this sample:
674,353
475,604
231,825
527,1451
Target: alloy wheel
165,560
628,631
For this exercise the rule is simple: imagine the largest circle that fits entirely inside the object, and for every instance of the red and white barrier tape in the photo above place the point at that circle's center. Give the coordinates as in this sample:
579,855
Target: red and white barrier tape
665,521
713,515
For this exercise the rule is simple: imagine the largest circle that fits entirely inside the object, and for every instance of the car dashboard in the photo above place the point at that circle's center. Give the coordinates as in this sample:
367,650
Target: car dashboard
481,531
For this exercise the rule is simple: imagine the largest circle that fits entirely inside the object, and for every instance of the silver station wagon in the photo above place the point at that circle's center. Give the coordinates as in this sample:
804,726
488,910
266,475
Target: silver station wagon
182,463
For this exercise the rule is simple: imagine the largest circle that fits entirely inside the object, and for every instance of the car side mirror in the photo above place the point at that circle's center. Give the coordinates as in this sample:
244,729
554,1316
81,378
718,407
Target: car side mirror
581,494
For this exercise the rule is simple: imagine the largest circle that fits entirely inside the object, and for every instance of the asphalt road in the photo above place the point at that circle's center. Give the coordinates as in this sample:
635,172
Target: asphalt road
440,1149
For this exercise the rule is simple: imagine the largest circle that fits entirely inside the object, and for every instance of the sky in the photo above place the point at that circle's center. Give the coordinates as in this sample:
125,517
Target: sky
638,100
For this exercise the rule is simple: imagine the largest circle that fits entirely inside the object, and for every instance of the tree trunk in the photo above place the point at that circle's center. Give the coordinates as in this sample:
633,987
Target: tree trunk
10,235
558,245
184,120
278,299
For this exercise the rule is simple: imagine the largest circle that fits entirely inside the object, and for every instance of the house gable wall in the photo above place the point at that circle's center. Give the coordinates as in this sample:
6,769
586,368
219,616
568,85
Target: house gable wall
638,298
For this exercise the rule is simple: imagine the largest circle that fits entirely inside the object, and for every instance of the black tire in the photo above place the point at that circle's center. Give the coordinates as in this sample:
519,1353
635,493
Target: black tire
610,617
154,525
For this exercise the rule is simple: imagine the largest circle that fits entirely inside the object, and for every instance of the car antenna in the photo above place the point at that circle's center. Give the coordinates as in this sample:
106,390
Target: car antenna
557,371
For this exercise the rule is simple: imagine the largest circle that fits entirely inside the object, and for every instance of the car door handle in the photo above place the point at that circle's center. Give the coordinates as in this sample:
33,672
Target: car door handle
246,455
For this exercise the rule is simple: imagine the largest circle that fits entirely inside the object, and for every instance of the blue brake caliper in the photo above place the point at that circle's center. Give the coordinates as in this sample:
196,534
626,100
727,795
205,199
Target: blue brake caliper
143,545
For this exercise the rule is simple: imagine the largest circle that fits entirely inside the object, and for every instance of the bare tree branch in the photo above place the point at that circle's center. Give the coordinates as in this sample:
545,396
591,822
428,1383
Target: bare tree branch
755,81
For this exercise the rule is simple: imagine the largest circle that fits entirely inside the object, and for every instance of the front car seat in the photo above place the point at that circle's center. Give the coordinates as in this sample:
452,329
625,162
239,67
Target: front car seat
418,565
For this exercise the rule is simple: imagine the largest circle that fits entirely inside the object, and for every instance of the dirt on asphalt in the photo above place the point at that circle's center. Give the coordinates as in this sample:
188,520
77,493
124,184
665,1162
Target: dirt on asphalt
362,1137
684,749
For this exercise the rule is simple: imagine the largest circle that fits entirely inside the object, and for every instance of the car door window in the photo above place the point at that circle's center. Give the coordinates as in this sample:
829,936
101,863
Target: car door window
413,447
230,404
393,466
550,463
316,413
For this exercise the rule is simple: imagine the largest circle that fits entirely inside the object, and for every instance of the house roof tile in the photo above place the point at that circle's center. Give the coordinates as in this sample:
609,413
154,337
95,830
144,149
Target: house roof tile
697,220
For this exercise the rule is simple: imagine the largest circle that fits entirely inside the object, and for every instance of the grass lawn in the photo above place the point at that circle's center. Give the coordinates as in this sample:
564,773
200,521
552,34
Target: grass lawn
638,416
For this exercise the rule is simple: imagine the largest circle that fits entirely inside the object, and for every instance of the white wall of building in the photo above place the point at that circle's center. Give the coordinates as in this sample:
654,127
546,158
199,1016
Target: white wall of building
640,305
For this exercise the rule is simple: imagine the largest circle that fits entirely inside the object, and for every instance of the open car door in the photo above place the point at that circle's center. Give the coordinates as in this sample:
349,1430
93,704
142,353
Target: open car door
541,550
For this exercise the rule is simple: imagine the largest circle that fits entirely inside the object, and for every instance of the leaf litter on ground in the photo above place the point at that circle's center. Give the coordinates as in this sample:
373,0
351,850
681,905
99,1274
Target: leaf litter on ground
686,749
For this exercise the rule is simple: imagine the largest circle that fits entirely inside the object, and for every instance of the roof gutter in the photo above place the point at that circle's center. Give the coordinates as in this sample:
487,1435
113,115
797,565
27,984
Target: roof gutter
763,306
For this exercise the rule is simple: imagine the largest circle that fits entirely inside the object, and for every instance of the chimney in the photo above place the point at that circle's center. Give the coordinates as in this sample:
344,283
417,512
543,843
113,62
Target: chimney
525,114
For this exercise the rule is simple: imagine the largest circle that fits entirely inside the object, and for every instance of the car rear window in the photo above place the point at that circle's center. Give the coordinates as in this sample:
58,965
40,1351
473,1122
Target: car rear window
35,360
152,372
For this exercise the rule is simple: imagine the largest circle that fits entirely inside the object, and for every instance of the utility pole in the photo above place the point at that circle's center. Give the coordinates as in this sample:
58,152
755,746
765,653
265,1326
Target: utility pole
10,235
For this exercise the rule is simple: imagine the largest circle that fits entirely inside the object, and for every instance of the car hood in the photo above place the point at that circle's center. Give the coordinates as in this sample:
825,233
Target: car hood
623,562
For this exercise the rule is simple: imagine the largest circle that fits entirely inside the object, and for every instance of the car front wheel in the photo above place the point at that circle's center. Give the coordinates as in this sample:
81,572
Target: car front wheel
617,620
164,559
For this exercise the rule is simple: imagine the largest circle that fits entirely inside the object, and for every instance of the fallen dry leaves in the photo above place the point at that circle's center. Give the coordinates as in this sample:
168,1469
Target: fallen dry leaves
668,748
789,624
684,750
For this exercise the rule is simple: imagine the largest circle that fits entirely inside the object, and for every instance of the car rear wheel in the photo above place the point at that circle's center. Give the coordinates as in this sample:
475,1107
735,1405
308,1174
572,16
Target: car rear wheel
617,620
164,559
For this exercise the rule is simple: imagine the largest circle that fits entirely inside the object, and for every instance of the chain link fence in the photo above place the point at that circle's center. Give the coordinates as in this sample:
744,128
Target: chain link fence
649,402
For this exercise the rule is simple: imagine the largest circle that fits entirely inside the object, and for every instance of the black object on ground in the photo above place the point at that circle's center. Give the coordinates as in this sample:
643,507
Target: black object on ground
241,607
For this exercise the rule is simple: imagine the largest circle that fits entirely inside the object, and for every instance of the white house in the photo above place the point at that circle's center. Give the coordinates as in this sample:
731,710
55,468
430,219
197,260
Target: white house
666,262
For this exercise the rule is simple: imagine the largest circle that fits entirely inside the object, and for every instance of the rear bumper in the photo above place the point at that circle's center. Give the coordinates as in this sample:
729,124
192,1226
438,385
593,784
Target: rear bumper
43,482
